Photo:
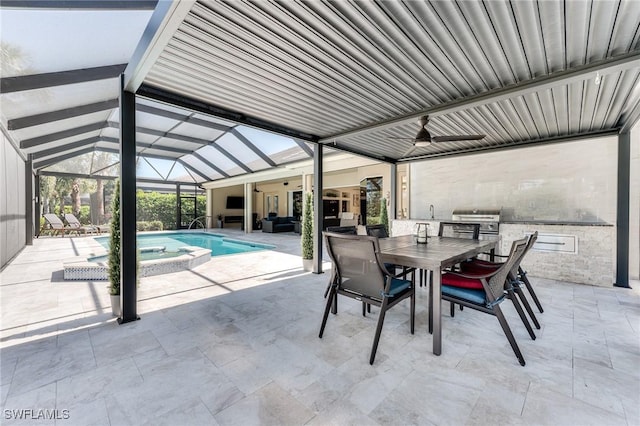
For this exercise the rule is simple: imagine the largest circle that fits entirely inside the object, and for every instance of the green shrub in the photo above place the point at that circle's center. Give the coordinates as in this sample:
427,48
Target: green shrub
384,215
153,206
114,244
154,225
84,217
307,227
375,220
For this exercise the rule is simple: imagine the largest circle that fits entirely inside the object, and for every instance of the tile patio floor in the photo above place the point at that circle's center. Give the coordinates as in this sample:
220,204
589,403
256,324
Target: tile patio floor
235,342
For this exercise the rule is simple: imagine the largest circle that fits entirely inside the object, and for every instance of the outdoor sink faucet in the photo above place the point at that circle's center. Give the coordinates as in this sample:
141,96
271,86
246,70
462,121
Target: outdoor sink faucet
432,210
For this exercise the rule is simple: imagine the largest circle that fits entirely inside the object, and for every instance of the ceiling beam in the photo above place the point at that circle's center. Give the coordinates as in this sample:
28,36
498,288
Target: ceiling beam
633,115
163,134
513,145
193,169
382,158
77,175
180,117
163,148
47,117
232,158
139,181
181,101
60,78
227,154
170,135
51,137
252,147
165,20
210,164
584,72
66,147
304,147
175,99
156,156
168,182
81,4
49,161
632,118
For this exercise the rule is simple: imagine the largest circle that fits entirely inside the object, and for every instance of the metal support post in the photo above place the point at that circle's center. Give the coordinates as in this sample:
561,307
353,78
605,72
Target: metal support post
248,207
178,207
393,193
318,213
38,206
622,220
28,185
128,248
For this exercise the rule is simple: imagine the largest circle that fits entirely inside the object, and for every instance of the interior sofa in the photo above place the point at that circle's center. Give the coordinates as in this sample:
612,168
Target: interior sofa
278,224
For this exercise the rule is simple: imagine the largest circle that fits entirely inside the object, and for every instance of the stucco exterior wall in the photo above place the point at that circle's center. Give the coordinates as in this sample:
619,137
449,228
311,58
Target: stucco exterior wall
571,181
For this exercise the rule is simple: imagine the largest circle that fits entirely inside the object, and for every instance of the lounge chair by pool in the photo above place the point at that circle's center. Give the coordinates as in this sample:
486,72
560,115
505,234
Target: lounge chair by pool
75,224
54,225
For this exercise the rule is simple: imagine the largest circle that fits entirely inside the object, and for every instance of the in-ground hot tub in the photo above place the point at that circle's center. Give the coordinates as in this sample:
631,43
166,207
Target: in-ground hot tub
97,268
162,253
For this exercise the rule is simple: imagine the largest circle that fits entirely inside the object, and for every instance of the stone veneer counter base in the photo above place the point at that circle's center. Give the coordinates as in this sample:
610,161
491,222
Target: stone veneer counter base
593,262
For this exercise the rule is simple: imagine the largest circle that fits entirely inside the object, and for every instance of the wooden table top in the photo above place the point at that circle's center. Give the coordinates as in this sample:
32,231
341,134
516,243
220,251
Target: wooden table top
439,252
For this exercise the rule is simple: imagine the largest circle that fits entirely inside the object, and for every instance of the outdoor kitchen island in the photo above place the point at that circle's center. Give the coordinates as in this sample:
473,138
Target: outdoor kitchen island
580,252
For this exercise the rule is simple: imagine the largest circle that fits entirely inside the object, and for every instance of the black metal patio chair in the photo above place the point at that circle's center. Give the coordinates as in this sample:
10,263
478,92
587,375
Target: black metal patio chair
465,230
484,292
517,277
360,274
351,230
379,231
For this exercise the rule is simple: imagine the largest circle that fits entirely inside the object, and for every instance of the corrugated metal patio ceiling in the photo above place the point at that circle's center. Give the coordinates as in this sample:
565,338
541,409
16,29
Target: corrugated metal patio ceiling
347,74
329,68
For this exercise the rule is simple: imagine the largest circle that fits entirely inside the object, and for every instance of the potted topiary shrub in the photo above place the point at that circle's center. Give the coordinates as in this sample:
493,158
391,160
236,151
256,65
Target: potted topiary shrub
307,233
114,253
384,215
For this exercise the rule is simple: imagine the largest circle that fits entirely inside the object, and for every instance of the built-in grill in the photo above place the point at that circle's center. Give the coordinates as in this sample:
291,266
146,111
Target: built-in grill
489,220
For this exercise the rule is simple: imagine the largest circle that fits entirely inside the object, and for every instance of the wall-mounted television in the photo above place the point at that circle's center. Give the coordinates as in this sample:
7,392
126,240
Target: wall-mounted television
235,202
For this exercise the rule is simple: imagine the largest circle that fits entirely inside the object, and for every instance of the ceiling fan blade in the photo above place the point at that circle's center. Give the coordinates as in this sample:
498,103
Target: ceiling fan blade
453,138
409,151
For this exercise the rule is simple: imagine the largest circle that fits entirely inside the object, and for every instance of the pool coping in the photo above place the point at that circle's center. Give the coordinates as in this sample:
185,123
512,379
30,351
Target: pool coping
79,268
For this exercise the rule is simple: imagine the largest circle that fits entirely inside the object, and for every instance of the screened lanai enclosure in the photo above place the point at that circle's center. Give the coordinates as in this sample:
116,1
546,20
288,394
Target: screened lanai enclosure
194,92
67,121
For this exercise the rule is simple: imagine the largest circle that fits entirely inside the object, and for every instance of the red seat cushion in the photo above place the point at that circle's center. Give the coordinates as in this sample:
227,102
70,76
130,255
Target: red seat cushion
485,262
458,281
479,266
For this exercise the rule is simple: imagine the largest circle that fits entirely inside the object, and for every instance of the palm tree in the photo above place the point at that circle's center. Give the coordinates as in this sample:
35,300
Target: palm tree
62,189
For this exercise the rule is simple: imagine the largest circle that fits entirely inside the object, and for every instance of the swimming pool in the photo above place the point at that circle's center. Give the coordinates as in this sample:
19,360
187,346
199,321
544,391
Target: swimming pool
219,245
163,252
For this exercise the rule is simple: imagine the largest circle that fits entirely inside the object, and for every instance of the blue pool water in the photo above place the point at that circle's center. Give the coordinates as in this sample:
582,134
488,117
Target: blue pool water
172,241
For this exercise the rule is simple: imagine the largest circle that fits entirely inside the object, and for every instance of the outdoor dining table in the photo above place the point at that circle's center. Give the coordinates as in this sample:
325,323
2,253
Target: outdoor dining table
439,253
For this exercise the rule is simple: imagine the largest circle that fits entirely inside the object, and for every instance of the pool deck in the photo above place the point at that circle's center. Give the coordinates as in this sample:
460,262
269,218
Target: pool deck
235,341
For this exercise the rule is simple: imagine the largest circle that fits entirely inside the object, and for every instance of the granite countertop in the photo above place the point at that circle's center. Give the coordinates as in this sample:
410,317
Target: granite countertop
554,222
